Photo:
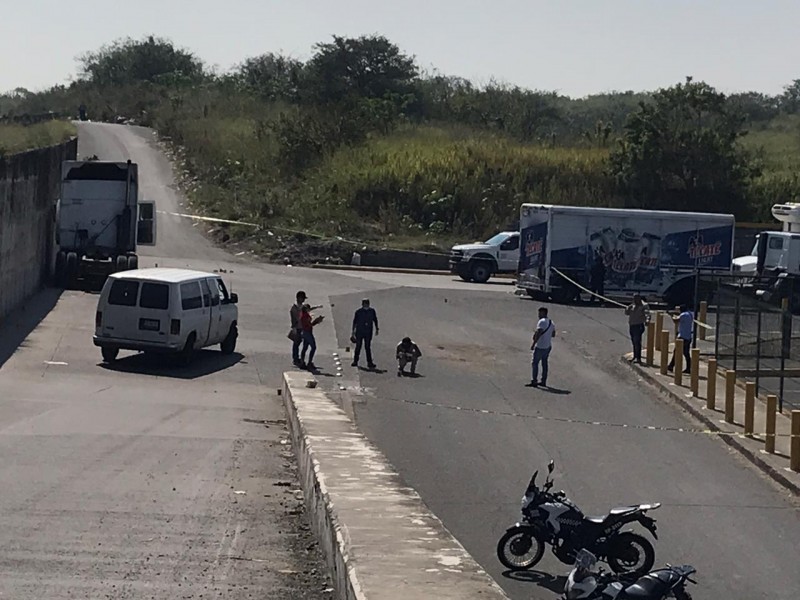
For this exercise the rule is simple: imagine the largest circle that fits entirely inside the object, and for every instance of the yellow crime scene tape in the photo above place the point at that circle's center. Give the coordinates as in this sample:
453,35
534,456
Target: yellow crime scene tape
498,413
609,300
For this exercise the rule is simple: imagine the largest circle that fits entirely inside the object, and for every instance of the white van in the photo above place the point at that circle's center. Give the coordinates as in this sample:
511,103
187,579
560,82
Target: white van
165,311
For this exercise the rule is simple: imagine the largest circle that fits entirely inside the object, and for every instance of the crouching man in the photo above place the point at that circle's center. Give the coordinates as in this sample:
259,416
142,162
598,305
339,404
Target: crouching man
407,353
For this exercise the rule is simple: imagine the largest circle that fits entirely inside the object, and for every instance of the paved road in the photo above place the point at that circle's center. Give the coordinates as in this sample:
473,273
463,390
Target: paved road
471,469
122,483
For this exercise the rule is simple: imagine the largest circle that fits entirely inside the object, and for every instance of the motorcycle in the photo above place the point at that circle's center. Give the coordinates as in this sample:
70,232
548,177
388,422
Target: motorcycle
552,518
585,584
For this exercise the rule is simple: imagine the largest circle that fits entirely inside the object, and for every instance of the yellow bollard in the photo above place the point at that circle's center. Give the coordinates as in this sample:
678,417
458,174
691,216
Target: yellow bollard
772,409
664,337
659,328
794,455
695,372
749,407
678,375
651,343
730,390
711,390
703,317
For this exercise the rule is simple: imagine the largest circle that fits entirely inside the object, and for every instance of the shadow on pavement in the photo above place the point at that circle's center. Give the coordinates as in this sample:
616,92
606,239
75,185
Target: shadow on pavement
554,583
16,327
205,363
554,390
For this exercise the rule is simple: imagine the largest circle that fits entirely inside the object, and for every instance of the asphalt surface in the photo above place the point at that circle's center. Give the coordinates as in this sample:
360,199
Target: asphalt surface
471,469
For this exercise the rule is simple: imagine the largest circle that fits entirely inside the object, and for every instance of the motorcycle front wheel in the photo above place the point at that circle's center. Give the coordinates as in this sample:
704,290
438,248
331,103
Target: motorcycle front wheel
631,554
520,549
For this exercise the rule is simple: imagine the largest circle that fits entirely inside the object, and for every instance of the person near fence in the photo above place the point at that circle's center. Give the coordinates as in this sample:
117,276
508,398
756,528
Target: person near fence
685,321
638,317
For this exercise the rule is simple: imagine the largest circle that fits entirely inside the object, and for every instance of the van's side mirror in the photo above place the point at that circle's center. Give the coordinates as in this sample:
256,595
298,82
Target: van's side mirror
234,298
146,224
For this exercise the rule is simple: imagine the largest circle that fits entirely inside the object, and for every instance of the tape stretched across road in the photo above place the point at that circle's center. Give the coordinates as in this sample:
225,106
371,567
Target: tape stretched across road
499,413
609,300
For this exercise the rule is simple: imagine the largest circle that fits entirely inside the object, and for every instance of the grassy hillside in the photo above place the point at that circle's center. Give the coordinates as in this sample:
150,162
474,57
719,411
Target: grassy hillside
19,138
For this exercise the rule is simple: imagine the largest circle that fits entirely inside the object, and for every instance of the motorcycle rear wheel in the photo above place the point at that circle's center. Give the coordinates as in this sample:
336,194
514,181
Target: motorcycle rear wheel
520,549
621,556
682,595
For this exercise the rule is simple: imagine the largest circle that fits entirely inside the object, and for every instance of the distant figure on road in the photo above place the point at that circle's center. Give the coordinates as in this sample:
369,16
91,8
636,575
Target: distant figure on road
295,331
307,323
638,317
597,278
541,346
363,321
407,352
685,323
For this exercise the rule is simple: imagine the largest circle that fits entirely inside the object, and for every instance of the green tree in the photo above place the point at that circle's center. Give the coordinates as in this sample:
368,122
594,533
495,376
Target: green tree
681,152
364,67
154,60
790,99
272,76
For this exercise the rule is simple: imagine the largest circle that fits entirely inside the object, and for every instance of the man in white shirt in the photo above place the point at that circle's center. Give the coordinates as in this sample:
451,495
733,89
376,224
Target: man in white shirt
542,344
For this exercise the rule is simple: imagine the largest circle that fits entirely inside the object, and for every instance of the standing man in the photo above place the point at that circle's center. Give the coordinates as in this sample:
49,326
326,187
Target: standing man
296,331
685,323
597,278
407,352
363,321
638,317
542,344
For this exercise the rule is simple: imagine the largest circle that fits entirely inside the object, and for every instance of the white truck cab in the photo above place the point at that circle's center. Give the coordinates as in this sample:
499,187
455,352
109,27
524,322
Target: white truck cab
165,310
479,261
775,250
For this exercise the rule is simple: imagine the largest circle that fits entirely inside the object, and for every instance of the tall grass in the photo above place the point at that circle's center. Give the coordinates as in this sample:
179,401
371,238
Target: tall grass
19,138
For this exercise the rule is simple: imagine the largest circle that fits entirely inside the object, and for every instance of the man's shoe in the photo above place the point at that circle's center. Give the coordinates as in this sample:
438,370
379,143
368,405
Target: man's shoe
543,383
371,366
399,372
533,383
354,363
311,366
296,362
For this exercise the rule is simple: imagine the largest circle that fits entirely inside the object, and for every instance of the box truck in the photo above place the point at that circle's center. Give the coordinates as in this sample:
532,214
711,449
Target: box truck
656,253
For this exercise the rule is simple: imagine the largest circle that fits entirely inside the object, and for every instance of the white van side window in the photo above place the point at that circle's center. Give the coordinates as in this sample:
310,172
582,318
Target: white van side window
206,293
123,293
154,295
190,296
212,284
223,291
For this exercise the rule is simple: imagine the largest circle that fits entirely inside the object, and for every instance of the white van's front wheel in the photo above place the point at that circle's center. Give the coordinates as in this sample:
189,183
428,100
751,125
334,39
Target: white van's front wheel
228,345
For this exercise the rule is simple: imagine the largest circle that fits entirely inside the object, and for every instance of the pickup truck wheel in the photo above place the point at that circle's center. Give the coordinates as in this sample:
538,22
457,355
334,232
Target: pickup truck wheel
228,345
109,354
71,270
481,271
133,262
121,264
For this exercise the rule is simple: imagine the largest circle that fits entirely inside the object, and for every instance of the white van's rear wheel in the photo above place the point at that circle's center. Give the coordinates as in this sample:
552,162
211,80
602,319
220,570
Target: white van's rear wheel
109,354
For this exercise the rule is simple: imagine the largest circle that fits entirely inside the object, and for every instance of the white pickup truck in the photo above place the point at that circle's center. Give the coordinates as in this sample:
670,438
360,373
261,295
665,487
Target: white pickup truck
479,261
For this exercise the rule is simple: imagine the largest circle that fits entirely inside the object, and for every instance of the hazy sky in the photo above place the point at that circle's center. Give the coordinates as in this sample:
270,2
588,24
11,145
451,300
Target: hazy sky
577,47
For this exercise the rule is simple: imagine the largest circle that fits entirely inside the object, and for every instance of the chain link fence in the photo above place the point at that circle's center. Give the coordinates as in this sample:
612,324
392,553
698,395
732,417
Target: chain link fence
755,332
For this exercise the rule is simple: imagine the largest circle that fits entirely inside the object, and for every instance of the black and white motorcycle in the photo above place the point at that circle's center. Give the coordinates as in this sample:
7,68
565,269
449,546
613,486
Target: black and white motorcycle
584,583
552,518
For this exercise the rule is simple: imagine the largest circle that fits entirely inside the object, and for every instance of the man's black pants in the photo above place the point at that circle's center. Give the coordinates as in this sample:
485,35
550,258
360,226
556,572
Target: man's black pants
366,341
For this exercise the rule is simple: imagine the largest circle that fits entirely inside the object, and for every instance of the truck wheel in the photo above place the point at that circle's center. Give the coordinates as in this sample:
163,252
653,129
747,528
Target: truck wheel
59,271
537,295
228,345
122,264
71,270
133,262
465,277
109,354
565,294
481,271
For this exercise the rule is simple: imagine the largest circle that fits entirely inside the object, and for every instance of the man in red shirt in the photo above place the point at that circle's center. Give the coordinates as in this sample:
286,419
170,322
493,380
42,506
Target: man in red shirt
307,327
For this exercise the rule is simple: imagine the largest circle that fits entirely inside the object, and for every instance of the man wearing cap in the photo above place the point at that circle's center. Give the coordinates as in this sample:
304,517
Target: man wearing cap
407,352
296,332
363,321
638,316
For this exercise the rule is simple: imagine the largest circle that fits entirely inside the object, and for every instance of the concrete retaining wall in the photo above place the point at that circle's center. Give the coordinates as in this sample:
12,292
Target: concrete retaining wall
380,540
29,187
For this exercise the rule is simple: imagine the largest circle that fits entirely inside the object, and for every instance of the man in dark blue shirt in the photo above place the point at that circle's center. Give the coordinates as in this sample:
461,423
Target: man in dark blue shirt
363,321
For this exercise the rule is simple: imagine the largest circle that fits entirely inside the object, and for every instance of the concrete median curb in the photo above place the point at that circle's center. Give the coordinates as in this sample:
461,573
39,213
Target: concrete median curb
713,425
380,540
398,270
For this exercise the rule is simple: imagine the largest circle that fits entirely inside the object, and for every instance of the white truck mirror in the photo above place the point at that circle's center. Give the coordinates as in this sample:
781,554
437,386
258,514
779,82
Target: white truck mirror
146,224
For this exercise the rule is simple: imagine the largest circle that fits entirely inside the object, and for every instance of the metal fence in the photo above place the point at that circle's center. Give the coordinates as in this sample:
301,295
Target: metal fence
756,335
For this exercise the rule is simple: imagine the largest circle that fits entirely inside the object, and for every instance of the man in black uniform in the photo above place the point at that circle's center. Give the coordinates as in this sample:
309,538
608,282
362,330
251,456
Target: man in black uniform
363,321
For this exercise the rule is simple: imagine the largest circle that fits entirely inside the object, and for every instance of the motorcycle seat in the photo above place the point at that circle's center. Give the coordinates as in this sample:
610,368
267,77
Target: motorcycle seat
649,587
621,510
596,520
